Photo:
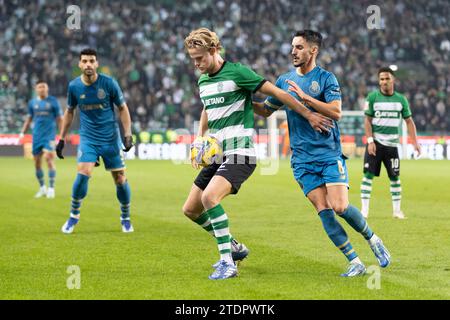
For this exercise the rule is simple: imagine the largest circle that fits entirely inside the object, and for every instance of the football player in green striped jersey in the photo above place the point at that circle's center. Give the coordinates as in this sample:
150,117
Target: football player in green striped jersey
226,92
385,108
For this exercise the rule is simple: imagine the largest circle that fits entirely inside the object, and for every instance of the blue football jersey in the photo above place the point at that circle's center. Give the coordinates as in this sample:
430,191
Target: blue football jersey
307,144
98,123
44,112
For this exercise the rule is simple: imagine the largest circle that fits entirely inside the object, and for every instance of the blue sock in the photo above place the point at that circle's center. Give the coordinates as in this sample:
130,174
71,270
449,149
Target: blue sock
337,234
356,220
51,178
124,196
79,191
40,177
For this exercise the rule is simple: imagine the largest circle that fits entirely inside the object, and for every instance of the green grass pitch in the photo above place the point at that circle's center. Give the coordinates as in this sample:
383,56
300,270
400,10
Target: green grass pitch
169,257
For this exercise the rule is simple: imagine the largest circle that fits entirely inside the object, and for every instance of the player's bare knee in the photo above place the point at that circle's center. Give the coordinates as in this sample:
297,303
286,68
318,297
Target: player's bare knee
119,177
190,212
319,205
37,162
209,200
50,162
340,208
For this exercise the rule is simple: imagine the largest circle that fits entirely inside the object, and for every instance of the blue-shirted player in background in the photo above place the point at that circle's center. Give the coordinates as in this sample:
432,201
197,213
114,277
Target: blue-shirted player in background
95,95
317,160
45,112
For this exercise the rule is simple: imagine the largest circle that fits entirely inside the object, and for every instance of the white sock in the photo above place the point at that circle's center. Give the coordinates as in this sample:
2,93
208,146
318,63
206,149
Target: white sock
396,205
373,239
227,257
75,216
356,261
365,206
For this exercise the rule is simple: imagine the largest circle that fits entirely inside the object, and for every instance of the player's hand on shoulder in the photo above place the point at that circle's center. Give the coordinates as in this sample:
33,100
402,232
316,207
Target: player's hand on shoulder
127,143
59,148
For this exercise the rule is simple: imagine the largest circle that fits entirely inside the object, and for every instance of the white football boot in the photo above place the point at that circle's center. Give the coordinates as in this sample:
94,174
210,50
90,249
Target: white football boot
41,193
51,193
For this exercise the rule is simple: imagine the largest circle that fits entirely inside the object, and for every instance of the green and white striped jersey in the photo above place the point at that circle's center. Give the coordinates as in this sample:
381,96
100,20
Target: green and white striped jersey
226,97
387,113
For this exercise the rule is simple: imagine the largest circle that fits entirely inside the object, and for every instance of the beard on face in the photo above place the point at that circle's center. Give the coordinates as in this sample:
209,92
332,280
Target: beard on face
88,71
296,62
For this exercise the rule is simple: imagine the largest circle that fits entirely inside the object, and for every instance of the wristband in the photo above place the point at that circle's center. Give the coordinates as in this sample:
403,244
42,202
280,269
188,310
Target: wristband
370,140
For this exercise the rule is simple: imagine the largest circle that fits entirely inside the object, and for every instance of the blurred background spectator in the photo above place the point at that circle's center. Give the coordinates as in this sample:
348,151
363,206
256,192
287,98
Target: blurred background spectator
141,44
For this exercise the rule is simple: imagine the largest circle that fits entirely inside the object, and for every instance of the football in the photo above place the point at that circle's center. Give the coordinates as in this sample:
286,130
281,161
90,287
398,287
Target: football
206,150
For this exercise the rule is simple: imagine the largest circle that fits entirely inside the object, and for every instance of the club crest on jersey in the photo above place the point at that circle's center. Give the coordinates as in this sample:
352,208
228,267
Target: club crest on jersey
220,87
314,87
101,94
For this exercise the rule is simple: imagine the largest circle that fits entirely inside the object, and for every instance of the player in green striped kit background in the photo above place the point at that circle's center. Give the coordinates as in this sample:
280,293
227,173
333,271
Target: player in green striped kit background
226,92
385,108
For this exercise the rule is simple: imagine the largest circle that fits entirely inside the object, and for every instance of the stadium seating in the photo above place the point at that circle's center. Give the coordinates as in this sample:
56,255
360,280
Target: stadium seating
141,44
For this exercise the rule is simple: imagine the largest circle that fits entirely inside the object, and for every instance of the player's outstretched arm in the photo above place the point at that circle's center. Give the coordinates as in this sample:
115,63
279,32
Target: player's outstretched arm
412,131
318,121
66,123
260,109
332,109
125,119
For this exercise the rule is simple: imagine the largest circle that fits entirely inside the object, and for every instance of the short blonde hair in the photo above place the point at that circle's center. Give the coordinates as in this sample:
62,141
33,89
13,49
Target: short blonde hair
202,38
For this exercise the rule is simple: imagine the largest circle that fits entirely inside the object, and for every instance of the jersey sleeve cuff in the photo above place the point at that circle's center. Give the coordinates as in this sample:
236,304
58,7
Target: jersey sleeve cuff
259,85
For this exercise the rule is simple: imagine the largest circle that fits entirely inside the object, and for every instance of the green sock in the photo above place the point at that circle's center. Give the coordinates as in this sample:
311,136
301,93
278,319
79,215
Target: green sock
219,222
205,222
366,190
396,193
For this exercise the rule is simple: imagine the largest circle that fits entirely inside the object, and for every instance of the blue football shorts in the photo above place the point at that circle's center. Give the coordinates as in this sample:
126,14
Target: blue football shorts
111,154
315,174
43,145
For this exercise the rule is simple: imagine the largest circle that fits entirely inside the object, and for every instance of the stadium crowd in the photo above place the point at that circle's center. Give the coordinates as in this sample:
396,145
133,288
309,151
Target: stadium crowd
141,44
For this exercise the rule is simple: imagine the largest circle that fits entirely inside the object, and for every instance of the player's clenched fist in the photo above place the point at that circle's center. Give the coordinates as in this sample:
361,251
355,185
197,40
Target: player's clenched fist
59,148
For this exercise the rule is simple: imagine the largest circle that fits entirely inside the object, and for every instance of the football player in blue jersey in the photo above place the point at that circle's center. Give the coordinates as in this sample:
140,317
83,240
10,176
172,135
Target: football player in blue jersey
95,95
45,112
317,159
